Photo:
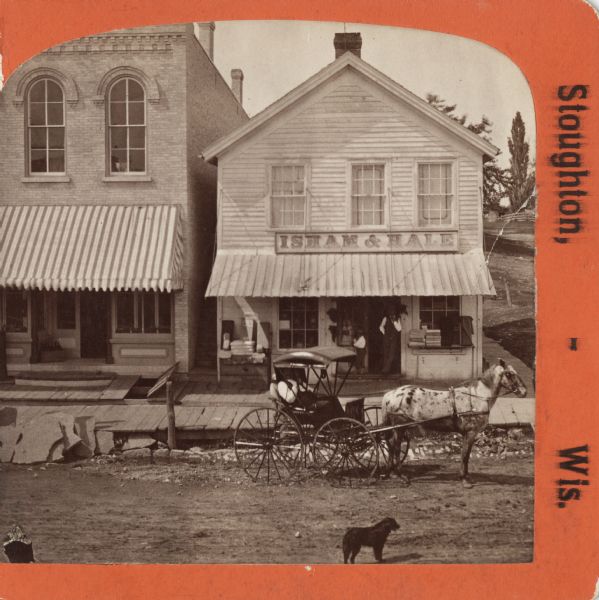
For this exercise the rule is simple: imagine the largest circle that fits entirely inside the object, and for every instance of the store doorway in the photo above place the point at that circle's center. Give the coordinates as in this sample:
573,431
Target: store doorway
93,312
366,315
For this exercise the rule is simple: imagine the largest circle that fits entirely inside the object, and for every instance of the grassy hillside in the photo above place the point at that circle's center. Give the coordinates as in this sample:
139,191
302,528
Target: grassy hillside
512,326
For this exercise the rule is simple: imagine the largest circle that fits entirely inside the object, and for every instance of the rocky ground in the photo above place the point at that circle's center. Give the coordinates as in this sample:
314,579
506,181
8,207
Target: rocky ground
197,506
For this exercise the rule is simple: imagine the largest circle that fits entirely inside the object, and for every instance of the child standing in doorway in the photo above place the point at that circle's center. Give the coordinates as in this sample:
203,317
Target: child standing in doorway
360,348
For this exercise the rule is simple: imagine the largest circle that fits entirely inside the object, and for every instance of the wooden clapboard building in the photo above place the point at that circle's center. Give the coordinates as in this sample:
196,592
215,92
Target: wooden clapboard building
107,215
346,200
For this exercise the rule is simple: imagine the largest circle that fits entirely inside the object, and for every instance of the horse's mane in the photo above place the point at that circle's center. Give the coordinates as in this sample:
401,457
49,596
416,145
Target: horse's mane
488,376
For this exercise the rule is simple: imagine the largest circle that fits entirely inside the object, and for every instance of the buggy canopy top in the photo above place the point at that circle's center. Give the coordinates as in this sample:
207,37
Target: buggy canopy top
318,355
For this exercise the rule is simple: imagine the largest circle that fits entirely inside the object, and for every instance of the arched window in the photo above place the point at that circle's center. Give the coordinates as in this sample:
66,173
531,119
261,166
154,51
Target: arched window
127,126
45,127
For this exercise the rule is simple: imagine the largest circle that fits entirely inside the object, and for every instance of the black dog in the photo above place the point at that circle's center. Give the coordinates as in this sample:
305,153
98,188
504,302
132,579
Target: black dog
374,536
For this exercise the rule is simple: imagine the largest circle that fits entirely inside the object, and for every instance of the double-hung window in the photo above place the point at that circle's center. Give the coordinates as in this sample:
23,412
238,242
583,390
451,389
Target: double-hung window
288,196
368,194
435,194
127,127
45,128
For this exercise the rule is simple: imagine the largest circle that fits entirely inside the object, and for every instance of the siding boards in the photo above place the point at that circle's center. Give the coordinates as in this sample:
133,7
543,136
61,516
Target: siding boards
350,122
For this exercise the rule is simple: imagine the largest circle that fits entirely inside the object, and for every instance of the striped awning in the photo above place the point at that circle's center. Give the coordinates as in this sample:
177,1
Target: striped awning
91,247
284,275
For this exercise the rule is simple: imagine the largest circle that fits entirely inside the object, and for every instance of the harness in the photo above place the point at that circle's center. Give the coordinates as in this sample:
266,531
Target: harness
455,414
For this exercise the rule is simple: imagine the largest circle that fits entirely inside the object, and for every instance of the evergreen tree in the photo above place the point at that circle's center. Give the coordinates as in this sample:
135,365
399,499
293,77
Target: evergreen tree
495,179
521,186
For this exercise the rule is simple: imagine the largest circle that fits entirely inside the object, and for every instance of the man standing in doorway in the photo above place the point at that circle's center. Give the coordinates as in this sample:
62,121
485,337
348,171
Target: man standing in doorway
390,327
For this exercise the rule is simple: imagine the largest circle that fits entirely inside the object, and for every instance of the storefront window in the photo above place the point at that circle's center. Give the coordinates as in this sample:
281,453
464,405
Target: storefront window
435,194
66,315
15,310
298,322
434,308
143,312
164,313
288,196
368,195
441,314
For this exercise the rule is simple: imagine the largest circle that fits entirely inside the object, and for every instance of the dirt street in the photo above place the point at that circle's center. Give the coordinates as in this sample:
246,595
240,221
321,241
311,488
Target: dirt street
104,511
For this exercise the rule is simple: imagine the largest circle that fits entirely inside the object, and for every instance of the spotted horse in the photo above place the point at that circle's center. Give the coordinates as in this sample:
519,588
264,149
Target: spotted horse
464,409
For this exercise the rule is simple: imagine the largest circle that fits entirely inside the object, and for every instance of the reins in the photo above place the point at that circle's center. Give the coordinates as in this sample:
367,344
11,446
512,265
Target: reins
383,392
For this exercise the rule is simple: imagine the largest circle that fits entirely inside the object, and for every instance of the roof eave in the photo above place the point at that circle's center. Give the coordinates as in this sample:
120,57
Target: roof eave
212,152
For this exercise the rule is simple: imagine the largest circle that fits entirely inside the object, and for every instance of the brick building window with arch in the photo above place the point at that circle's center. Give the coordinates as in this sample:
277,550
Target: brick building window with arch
45,128
127,126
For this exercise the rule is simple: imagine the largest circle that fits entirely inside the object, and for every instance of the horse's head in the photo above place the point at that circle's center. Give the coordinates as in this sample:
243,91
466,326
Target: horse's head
510,380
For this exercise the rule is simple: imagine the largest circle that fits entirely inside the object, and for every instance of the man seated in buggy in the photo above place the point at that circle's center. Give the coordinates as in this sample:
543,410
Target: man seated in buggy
305,382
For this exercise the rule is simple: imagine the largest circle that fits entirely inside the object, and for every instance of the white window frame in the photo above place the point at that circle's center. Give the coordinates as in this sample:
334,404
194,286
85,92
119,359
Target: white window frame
109,127
47,127
270,204
386,164
452,162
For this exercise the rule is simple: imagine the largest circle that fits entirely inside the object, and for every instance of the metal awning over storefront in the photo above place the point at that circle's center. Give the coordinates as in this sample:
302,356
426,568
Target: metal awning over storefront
376,274
101,248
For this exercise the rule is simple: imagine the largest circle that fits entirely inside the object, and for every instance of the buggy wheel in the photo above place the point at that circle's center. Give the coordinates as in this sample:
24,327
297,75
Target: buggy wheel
373,418
268,445
344,448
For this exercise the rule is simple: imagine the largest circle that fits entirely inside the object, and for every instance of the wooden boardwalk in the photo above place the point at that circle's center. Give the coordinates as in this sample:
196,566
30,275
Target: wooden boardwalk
212,415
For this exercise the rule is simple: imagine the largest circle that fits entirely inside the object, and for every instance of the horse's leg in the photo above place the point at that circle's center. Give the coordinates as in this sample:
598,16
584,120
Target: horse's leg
391,442
468,438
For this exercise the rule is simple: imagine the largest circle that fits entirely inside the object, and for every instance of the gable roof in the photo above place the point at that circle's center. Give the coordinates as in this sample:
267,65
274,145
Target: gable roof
348,60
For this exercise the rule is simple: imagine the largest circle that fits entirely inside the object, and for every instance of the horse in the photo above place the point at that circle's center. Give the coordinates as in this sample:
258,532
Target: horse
464,409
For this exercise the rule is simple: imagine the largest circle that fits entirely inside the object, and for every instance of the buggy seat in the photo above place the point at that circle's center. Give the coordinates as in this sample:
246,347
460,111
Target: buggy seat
306,402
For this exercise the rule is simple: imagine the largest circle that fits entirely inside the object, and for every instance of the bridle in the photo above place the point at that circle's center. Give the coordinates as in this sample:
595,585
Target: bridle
514,384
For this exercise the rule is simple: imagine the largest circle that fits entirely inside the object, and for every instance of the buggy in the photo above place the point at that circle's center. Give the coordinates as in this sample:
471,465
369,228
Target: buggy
308,426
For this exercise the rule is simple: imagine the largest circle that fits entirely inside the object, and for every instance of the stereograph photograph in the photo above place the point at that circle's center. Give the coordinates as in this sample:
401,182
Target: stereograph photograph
267,295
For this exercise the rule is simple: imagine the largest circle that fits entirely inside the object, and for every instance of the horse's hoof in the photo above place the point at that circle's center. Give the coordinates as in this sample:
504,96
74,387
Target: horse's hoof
466,484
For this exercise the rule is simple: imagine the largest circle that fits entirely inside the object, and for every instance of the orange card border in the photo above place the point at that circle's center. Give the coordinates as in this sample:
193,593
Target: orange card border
554,43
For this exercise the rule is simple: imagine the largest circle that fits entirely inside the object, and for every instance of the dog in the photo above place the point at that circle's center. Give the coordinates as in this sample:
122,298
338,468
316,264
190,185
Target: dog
374,536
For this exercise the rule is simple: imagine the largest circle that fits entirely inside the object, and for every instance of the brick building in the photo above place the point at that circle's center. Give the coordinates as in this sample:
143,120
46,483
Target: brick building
107,215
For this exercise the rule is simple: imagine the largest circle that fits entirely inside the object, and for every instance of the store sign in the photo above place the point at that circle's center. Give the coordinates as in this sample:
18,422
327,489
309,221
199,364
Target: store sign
400,241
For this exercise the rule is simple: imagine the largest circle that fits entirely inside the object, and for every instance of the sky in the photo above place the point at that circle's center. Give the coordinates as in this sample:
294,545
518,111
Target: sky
276,56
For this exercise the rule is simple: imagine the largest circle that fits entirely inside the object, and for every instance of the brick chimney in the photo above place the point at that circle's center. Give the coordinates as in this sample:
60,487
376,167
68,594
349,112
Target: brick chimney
237,84
348,42
205,34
